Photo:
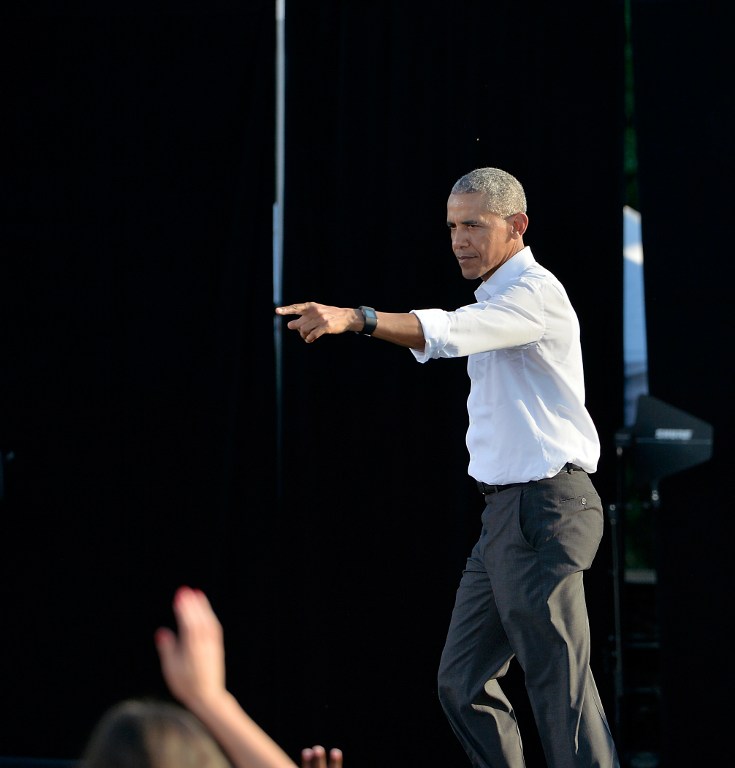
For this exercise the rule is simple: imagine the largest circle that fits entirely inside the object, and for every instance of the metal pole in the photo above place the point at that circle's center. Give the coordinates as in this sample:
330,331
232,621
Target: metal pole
278,228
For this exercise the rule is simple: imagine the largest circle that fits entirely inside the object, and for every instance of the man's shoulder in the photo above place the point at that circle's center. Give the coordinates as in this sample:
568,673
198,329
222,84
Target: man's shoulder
537,283
525,265
538,274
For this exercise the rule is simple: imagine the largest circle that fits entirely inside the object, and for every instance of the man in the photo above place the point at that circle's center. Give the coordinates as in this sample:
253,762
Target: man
532,446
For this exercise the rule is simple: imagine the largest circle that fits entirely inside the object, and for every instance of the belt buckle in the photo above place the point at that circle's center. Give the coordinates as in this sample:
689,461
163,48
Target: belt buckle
486,489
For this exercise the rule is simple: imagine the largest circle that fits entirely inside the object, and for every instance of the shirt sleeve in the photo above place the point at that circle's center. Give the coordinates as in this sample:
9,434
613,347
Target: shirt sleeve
435,324
513,318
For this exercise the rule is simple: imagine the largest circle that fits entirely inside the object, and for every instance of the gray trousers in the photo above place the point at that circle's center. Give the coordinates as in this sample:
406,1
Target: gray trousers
521,595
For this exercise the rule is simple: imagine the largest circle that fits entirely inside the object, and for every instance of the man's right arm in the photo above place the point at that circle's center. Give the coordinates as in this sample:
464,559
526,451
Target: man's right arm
316,320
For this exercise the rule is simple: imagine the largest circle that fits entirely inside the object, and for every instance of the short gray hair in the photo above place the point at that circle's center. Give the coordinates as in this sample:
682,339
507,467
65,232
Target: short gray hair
503,193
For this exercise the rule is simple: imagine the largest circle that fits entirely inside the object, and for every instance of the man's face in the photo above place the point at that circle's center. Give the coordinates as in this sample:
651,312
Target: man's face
481,241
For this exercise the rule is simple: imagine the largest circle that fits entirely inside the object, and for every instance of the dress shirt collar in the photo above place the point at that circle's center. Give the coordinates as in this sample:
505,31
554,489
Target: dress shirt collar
505,273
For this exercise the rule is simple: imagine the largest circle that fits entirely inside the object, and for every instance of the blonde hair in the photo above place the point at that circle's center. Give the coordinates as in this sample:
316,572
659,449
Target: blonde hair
151,734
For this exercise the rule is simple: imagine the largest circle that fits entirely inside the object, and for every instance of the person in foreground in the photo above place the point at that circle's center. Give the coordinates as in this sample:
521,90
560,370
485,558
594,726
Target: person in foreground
211,730
532,446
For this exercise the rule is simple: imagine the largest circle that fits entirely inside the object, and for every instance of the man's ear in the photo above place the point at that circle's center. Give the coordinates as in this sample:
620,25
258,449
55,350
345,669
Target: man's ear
519,222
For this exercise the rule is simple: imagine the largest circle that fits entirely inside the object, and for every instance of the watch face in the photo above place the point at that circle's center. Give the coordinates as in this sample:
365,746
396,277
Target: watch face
371,319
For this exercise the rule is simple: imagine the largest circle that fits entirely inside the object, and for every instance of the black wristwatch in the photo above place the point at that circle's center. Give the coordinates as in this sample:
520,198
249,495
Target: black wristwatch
371,320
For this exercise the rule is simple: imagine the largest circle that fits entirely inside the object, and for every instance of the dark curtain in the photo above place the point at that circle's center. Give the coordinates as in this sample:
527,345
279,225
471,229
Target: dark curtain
685,119
388,104
140,404
138,387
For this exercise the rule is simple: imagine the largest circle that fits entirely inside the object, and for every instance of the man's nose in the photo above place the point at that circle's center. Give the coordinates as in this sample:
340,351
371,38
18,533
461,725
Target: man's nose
459,238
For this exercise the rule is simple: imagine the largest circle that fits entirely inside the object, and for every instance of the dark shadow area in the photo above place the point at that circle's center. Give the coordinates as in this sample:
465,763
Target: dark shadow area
685,120
136,154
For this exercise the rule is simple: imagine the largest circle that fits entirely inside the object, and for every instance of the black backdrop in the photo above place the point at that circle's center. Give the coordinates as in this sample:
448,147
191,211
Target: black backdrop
147,439
685,120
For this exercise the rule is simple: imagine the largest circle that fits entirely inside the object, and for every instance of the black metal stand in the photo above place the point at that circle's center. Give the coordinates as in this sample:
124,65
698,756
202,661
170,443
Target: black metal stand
663,441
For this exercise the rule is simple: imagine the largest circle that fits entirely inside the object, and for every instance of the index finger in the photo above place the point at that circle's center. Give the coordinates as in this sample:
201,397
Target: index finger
291,309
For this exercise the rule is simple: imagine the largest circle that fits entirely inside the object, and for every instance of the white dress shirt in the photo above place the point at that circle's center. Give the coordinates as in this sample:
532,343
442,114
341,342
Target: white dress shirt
527,416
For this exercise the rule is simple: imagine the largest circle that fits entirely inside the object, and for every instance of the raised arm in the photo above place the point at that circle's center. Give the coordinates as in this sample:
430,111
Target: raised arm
193,666
316,320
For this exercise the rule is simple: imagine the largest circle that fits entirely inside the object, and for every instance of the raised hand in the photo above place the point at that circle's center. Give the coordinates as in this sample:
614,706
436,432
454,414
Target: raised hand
193,663
316,757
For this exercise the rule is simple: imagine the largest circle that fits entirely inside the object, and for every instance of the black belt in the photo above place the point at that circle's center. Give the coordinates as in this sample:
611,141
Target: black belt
485,489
